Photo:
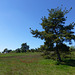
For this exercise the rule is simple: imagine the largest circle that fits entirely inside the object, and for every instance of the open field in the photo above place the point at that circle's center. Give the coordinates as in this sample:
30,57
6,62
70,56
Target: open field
33,64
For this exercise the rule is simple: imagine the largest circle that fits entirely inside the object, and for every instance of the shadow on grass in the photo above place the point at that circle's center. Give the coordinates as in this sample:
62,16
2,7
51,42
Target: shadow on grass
70,62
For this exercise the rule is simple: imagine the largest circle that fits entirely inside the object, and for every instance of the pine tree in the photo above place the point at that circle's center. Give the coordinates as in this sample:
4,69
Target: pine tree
55,30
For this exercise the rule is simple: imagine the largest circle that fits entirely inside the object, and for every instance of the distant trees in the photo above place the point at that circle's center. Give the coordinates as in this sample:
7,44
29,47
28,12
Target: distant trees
9,51
24,47
6,51
55,32
18,50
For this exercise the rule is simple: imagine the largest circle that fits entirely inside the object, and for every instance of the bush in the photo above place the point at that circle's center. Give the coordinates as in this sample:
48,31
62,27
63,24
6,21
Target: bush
72,48
51,53
28,51
18,50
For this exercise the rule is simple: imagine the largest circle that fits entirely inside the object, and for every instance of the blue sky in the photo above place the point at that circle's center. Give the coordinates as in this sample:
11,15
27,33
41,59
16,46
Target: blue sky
17,16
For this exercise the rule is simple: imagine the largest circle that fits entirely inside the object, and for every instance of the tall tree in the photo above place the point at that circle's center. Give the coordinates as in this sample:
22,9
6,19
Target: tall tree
55,30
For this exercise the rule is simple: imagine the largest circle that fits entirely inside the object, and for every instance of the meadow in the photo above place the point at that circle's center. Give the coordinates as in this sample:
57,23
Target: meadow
33,64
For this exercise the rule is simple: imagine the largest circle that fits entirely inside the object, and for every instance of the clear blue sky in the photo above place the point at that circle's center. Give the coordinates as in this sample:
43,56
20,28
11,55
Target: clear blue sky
17,16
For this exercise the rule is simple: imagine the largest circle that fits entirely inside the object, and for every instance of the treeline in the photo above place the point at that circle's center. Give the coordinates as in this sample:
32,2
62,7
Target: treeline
42,48
24,48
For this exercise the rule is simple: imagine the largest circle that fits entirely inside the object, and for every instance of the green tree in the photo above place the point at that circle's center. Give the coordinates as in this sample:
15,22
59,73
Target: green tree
55,31
5,50
24,47
18,50
72,48
43,48
9,51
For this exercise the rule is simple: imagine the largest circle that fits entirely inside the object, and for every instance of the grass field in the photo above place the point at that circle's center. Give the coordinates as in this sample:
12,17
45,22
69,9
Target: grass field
33,64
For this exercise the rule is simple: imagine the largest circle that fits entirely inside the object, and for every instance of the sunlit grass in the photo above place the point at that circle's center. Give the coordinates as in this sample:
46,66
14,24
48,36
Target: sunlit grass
32,64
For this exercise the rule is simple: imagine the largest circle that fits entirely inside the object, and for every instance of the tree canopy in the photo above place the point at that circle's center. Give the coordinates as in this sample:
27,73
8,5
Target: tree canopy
55,29
24,47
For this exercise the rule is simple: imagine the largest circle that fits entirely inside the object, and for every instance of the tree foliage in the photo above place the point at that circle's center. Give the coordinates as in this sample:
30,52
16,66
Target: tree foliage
6,51
24,47
55,29
72,48
18,50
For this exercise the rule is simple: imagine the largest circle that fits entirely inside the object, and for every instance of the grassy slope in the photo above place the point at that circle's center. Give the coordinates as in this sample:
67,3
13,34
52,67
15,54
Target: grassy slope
32,64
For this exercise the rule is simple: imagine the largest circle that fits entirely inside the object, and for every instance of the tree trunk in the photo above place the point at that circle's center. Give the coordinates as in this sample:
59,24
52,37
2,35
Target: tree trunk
59,58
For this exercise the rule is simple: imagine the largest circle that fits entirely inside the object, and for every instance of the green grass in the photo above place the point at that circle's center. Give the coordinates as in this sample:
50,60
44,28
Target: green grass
33,64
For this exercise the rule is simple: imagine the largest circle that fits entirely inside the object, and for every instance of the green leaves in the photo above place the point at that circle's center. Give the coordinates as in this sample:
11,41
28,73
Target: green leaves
54,29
